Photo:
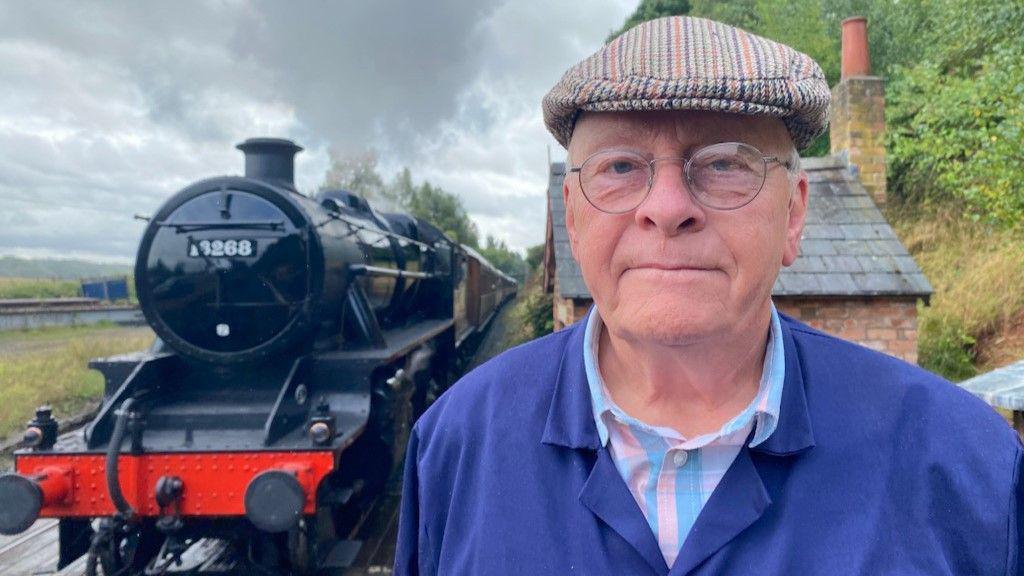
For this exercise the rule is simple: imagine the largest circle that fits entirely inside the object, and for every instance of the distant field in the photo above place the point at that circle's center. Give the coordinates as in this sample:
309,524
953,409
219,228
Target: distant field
63,268
49,366
38,288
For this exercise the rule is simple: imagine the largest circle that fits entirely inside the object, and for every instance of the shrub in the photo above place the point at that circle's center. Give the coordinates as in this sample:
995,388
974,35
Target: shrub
956,118
977,271
944,346
532,316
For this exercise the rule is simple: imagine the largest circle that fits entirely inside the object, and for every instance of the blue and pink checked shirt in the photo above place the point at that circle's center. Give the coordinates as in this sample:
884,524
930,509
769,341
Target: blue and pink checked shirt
671,476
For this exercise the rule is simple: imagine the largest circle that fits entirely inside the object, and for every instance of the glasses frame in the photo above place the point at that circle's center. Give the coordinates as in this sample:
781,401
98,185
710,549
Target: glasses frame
766,159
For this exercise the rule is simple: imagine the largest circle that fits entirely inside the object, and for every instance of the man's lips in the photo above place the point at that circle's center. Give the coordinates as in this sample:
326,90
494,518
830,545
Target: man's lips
669,269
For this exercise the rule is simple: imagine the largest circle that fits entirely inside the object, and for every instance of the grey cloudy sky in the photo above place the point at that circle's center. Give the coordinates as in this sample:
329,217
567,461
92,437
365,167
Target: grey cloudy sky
107,108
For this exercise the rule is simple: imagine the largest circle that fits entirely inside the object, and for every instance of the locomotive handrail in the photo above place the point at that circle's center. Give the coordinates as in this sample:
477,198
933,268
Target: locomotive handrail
356,224
392,272
194,226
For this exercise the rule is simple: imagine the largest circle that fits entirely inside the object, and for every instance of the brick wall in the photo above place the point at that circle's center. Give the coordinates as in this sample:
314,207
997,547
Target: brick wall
885,324
857,130
569,310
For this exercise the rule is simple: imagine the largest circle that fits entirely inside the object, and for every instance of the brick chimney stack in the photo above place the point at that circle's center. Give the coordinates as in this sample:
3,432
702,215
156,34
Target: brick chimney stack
857,126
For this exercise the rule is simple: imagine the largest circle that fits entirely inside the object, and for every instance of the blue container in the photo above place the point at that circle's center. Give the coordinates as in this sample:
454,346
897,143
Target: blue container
109,289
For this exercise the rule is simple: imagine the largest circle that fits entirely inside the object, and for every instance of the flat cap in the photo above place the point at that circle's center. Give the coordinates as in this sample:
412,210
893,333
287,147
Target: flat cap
685,63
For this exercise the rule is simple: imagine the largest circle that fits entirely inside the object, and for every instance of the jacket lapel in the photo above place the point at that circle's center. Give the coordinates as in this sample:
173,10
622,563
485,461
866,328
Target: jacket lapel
738,501
607,496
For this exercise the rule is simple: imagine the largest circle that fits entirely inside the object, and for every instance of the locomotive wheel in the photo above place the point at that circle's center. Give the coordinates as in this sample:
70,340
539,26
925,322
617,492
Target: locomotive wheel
126,554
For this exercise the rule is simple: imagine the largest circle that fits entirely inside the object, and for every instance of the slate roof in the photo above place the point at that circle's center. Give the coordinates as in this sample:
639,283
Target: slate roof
848,249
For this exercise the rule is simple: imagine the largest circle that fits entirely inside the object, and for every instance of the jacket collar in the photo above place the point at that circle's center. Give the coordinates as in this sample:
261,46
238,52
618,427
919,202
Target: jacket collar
571,418
570,421
794,433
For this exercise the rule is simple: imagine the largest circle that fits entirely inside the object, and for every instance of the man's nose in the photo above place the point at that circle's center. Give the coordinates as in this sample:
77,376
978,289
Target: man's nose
669,206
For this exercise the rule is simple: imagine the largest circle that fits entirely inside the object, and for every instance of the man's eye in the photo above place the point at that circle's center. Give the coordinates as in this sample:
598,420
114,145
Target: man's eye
622,167
724,165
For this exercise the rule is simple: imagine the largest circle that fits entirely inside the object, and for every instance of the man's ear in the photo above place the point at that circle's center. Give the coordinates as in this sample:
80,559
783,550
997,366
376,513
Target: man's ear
570,216
796,219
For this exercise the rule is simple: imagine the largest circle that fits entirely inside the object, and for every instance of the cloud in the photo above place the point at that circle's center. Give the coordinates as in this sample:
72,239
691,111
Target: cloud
109,107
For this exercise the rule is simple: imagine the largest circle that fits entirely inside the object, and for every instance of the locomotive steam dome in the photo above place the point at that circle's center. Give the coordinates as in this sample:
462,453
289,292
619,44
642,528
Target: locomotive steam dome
232,269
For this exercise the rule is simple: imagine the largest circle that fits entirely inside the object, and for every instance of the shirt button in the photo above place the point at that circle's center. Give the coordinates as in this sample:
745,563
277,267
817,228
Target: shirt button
681,457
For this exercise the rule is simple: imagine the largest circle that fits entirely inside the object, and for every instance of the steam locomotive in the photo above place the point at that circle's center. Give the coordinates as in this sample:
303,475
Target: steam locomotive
297,340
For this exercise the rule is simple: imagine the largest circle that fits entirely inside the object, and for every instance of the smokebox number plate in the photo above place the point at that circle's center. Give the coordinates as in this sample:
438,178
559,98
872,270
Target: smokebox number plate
219,248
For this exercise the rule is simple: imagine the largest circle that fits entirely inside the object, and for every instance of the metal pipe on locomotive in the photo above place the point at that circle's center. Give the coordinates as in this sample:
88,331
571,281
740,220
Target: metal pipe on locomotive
297,340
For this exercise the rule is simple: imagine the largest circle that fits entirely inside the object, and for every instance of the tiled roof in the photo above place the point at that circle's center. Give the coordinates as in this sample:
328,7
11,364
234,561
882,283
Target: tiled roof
848,248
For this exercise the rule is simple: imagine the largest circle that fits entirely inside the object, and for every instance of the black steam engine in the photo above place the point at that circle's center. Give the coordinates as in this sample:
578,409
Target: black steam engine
297,340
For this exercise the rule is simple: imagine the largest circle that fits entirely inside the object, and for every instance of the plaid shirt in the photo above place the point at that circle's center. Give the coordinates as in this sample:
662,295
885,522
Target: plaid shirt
671,476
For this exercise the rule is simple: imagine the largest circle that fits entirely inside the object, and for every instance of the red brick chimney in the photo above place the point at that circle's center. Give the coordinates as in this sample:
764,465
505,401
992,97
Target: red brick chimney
857,126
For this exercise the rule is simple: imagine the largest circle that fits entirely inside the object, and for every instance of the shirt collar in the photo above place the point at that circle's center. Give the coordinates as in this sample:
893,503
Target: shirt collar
763,410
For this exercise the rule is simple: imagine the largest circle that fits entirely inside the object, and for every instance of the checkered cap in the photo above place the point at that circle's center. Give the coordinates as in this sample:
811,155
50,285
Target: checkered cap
684,63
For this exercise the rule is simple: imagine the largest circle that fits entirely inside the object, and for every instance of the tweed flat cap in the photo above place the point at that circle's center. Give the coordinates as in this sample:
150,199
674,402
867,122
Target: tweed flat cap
685,63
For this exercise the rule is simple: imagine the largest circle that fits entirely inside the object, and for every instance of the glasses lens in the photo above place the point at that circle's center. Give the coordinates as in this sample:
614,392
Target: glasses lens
615,181
726,175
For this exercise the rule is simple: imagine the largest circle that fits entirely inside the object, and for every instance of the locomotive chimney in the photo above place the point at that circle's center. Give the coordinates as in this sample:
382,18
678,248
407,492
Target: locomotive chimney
270,159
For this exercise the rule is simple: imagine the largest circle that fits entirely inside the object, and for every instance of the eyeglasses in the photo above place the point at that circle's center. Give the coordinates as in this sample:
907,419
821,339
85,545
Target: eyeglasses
722,176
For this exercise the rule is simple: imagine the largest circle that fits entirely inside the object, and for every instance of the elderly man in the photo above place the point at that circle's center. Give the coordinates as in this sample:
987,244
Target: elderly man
686,427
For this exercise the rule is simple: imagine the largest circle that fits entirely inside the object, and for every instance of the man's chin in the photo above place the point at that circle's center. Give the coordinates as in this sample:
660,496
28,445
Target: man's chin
666,326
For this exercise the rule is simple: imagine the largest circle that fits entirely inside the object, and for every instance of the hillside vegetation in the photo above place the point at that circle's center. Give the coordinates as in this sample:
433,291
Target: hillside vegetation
38,288
955,126
56,268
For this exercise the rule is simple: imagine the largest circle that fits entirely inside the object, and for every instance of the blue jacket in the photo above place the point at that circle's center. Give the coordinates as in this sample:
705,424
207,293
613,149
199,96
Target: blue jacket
876,467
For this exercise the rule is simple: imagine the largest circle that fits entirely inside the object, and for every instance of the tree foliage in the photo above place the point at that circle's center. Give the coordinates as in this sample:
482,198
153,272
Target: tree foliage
355,173
504,258
956,116
444,210
359,174
535,257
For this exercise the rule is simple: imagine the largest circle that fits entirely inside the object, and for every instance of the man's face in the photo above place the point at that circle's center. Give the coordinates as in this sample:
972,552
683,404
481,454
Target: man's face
673,271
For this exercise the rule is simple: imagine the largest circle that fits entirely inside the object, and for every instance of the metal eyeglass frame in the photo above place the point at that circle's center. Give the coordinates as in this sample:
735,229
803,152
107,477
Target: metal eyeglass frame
686,171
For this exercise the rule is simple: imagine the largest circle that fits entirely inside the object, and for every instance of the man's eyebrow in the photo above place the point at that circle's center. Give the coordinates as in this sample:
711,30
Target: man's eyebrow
623,134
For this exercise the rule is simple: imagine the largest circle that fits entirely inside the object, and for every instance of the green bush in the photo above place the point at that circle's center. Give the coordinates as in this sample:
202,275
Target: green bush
533,315
956,141
944,346
956,118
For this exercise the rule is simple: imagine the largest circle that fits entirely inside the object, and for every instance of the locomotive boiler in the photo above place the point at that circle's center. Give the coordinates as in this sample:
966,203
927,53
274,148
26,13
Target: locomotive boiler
297,340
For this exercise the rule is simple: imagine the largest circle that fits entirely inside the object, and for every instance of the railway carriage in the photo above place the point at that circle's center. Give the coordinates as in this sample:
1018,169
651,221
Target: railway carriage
297,340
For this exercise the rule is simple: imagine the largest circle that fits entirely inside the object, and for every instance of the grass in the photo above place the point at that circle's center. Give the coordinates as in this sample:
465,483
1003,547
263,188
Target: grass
976,318
50,366
38,288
